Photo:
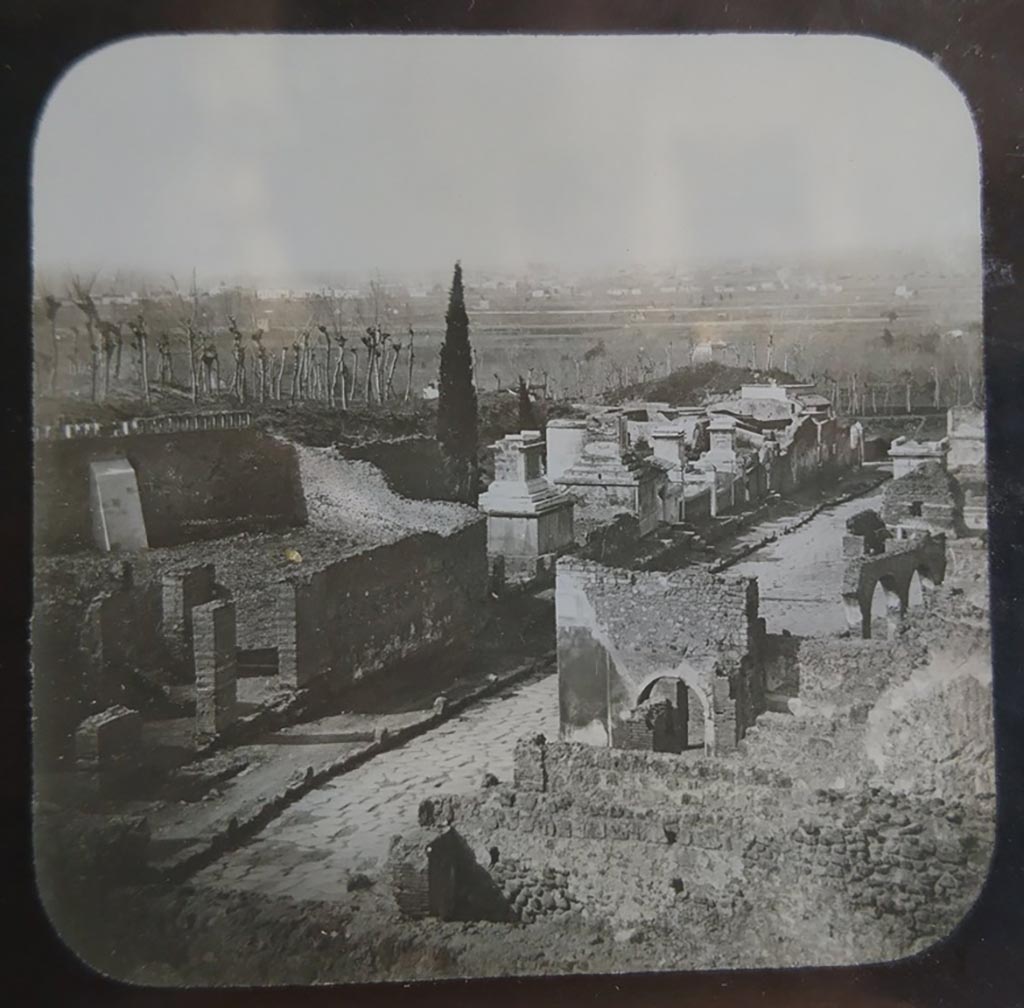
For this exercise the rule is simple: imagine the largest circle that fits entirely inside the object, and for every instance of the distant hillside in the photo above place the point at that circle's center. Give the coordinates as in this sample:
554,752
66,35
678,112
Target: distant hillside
692,386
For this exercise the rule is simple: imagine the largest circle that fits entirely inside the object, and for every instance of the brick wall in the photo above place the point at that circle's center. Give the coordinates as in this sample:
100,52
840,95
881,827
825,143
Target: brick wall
357,615
181,591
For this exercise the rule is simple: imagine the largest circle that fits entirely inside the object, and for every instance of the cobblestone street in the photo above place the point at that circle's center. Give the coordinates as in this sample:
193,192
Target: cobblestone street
799,576
347,825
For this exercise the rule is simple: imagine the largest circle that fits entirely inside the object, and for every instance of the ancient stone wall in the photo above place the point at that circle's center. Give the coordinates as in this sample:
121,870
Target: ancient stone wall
913,713
715,839
192,485
926,498
364,611
849,671
892,571
181,591
216,667
799,461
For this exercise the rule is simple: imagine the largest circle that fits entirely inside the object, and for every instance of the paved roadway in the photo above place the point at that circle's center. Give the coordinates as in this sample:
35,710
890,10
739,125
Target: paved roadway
799,576
347,824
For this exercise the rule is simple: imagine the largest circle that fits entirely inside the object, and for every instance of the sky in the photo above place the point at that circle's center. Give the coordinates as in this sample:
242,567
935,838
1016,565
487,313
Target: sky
272,156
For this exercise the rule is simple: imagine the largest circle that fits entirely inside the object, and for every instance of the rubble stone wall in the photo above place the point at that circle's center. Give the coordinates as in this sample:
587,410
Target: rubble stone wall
360,613
904,868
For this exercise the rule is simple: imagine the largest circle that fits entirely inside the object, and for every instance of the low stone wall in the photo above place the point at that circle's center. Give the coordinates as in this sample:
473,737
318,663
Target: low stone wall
171,423
566,767
367,610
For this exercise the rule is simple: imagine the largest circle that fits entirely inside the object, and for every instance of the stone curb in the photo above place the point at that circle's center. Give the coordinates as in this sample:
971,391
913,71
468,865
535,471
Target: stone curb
743,553
251,819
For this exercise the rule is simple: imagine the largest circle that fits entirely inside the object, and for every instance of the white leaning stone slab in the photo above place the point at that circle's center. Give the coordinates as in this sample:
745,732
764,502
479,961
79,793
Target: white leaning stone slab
117,521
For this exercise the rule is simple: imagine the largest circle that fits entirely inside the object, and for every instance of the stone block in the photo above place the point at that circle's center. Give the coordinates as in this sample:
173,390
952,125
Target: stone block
112,736
117,520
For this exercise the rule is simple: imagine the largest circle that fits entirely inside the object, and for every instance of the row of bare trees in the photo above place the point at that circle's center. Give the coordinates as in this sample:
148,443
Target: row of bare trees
321,362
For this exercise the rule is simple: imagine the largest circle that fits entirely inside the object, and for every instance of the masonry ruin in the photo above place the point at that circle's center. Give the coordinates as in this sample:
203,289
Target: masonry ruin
191,652
708,769
712,774
690,639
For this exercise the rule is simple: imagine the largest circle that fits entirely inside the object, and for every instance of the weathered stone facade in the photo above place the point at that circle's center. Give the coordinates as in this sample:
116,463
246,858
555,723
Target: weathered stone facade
622,632
216,667
353,616
181,591
608,479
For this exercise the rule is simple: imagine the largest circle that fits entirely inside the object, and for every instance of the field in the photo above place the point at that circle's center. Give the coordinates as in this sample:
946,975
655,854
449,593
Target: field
582,345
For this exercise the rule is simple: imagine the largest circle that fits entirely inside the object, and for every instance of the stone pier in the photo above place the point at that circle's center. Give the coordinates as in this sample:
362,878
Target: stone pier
216,664
181,592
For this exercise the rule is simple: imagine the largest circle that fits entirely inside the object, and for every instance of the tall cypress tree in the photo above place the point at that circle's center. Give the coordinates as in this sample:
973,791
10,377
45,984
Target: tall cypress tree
456,404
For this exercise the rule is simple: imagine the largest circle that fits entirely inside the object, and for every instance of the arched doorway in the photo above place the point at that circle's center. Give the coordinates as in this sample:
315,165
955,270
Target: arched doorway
916,591
884,610
689,716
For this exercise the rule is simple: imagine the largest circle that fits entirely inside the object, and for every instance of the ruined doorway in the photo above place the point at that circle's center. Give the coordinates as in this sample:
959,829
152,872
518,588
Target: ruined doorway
886,608
689,714
916,591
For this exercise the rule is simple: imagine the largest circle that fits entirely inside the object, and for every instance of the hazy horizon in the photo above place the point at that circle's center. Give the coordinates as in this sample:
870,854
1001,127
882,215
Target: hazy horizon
279,157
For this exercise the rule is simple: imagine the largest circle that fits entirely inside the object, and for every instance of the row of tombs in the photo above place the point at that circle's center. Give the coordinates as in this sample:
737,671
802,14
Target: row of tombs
552,493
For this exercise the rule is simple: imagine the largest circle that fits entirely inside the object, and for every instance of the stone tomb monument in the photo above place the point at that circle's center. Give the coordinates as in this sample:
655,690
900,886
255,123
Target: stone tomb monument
529,522
117,522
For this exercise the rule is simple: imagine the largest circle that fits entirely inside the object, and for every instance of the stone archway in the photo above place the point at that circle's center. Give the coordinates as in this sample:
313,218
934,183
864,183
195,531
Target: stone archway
693,725
894,592
891,572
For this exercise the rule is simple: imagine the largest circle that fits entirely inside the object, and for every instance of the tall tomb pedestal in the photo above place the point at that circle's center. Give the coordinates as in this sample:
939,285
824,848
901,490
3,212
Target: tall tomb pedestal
529,522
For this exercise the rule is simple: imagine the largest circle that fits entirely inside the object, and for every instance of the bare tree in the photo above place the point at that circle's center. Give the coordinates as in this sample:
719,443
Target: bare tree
81,296
140,339
163,348
111,343
211,365
51,306
279,377
189,320
355,373
238,356
412,357
260,363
